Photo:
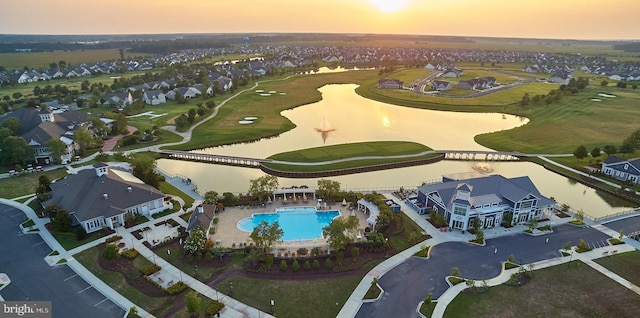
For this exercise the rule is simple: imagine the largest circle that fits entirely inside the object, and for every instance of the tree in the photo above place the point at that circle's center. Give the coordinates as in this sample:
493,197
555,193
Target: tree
532,224
627,147
15,150
579,216
341,231
604,83
328,188
265,234
192,301
57,148
525,100
196,240
355,253
143,168
455,271
99,127
83,138
567,246
17,95
191,116
263,186
610,149
580,152
211,197
61,222
110,252
182,121
427,300
13,124
596,152
119,126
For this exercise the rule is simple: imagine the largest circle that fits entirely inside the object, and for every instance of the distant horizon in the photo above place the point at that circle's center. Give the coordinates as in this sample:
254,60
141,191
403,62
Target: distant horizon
615,20
339,33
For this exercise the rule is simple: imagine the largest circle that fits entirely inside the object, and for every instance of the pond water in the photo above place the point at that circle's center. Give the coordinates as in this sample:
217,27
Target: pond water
356,119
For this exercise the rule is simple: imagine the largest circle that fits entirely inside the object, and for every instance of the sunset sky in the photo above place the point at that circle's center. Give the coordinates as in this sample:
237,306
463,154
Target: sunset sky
565,19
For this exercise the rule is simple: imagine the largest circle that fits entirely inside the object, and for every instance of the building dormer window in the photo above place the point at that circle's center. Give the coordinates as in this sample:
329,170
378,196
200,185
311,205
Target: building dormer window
626,166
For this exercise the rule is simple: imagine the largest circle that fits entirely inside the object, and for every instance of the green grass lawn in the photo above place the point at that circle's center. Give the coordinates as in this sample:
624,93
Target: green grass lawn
69,242
26,183
321,298
627,265
155,305
342,151
168,188
561,127
559,291
345,151
300,90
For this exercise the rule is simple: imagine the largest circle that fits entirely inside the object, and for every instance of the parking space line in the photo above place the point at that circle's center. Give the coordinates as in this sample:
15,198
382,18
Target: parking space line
85,289
19,214
38,243
101,302
68,278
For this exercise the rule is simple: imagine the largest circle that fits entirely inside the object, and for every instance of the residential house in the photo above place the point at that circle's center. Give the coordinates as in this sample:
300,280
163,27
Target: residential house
188,92
491,199
440,86
622,169
390,83
108,195
477,83
560,77
155,97
41,125
202,215
118,99
453,72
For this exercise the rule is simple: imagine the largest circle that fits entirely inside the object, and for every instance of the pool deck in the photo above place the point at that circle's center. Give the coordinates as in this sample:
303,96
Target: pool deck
228,234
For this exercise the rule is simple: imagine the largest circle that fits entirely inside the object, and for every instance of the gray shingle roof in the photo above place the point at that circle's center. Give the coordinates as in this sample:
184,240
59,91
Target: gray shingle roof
83,194
488,187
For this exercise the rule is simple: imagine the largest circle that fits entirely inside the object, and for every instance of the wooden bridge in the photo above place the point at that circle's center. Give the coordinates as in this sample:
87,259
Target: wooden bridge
216,159
480,155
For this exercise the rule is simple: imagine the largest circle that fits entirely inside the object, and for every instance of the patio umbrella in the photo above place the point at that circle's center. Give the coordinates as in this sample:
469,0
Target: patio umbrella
344,202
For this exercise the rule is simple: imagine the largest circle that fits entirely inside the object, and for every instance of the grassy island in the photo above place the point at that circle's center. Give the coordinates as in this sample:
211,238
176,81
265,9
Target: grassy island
350,155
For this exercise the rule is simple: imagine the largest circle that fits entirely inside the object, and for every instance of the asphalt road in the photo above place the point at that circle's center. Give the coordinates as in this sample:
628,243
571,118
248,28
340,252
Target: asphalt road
407,284
628,225
22,259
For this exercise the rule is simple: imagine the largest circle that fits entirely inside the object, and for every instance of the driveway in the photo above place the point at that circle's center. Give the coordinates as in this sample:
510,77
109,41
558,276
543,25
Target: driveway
407,284
22,259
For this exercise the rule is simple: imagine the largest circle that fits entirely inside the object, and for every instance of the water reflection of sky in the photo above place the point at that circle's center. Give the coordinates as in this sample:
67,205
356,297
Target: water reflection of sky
358,119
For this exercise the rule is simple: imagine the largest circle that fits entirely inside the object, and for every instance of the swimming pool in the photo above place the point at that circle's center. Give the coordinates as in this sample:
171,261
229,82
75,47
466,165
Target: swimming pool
299,223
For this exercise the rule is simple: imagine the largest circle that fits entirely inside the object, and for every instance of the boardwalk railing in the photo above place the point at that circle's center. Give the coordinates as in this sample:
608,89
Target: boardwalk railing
612,217
218,159
480,155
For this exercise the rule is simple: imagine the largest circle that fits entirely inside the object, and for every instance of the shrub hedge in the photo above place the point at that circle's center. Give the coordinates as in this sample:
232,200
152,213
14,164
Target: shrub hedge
150,269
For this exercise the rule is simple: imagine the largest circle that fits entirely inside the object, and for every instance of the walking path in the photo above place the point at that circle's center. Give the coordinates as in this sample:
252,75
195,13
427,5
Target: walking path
109,144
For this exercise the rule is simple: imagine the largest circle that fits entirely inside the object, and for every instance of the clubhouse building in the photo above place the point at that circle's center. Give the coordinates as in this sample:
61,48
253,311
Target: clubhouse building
492,199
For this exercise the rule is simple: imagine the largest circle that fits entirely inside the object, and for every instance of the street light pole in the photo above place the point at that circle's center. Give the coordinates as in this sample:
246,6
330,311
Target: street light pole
272,303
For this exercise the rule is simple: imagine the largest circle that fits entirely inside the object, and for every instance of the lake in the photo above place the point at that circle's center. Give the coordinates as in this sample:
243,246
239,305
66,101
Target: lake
357,119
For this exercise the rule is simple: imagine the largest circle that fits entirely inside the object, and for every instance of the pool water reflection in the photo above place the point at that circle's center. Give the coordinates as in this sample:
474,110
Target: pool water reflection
297,223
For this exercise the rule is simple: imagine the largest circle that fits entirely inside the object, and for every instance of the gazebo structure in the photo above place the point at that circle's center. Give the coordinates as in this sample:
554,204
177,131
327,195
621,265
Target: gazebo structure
371,210
294,194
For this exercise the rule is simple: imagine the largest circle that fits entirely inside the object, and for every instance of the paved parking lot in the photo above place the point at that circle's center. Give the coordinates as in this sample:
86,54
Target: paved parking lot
408,283
22,258
628,225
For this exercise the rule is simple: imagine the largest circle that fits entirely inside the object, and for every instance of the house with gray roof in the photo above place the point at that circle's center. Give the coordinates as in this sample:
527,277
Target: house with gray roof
622,169
107,195
492,199
202,215
154,97
390,83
